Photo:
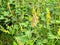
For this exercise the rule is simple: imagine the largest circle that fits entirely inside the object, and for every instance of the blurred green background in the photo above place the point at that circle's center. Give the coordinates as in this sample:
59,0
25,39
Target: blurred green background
29,22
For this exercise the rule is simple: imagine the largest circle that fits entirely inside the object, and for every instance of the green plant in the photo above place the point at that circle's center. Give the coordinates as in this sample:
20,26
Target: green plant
30,22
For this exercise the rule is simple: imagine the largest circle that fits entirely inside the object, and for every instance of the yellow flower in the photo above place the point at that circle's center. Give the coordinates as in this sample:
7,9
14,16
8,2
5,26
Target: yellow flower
59,31
47,16
34,20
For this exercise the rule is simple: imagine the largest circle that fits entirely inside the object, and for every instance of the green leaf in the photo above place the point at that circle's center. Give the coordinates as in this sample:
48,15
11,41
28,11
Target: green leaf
14,43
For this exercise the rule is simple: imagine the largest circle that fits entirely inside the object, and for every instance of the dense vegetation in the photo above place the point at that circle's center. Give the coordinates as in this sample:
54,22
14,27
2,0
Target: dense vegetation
29,22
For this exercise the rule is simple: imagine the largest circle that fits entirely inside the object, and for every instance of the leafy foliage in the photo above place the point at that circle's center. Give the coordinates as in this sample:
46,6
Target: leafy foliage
30,22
